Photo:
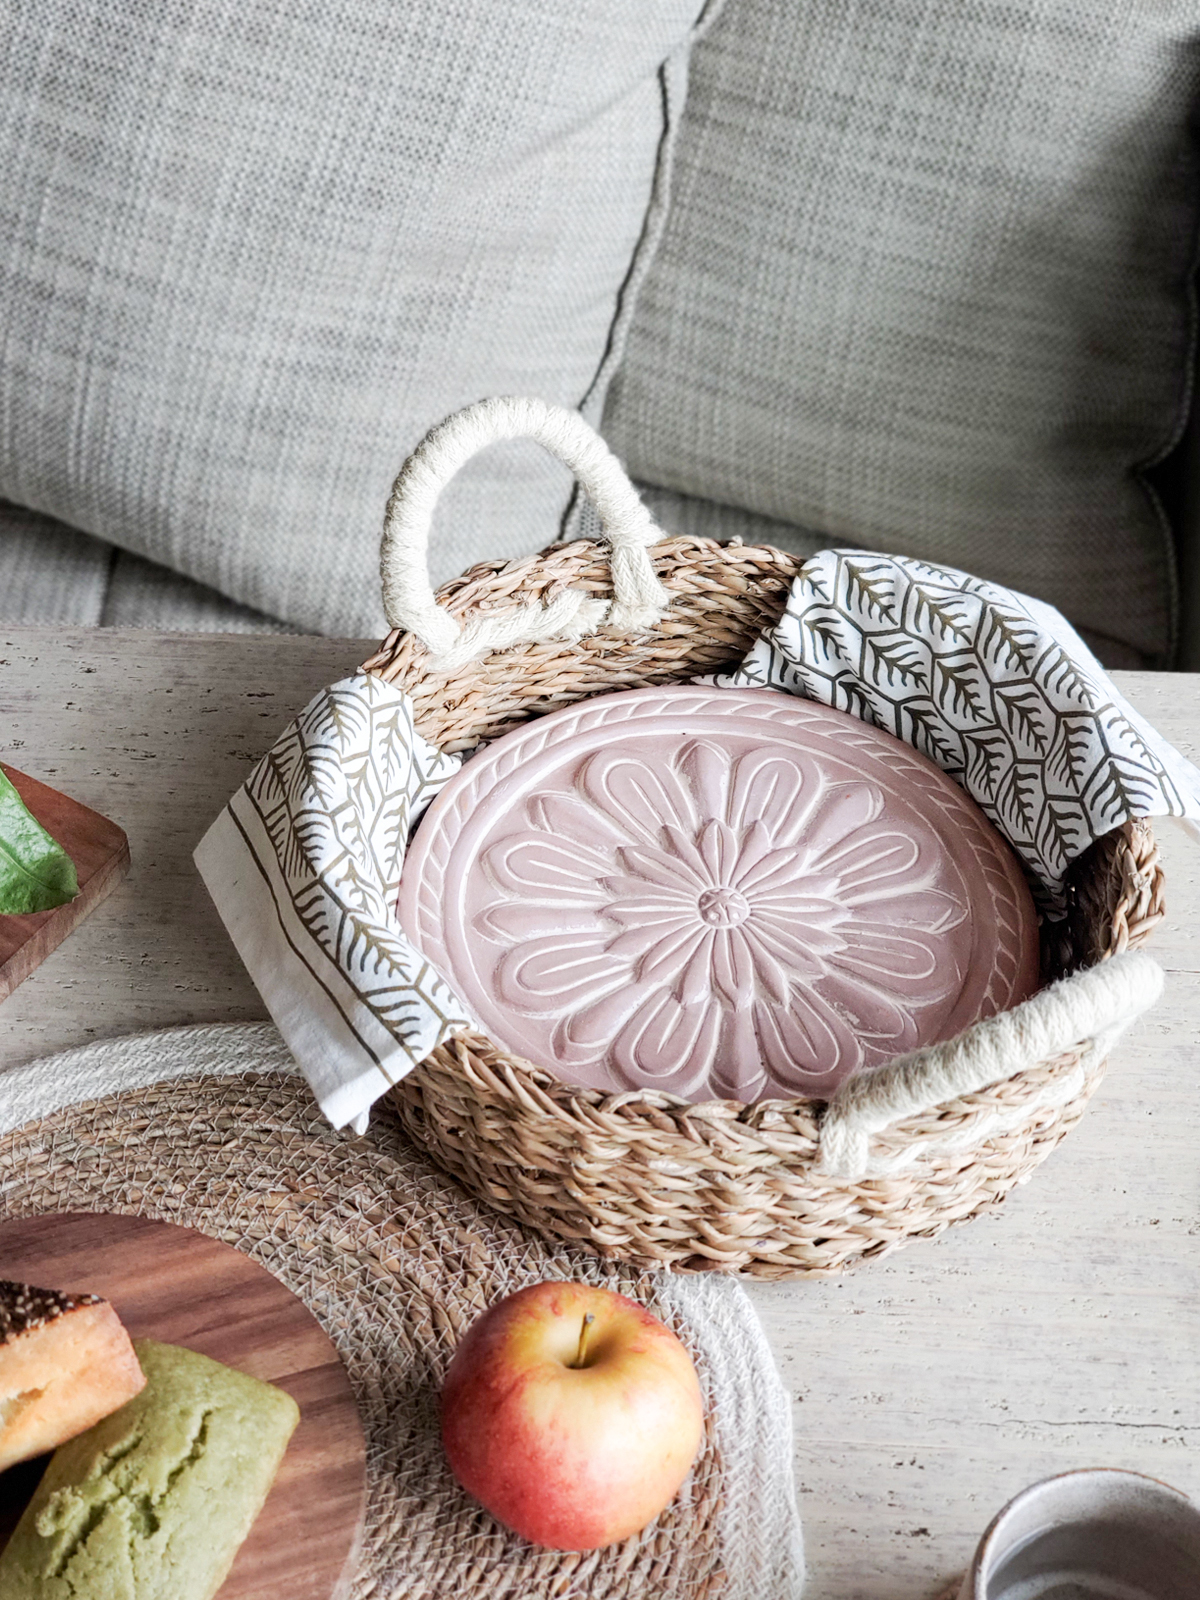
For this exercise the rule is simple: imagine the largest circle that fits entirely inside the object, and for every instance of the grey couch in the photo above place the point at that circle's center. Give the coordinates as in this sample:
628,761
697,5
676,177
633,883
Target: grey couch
904,276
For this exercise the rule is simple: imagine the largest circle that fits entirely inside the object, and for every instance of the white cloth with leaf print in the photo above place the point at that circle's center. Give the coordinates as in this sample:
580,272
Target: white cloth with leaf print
995,687
304,867
304,863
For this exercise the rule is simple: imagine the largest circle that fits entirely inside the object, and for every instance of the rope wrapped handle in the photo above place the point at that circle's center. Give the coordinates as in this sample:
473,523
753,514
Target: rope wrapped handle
408,599
1092,1006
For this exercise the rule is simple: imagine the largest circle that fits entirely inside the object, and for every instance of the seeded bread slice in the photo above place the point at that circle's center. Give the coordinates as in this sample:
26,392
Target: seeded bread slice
65,1362
154,1502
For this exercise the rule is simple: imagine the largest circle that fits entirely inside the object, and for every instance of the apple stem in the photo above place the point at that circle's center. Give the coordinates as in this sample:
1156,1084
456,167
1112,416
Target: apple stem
583,1332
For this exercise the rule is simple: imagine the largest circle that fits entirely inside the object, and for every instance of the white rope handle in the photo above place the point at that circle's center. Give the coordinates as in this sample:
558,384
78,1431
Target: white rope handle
408,599
1093,1006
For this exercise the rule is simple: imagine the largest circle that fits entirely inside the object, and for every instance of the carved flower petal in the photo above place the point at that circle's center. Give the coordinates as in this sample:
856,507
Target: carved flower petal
696,983
521,862
802,947
808,1045
679,945
658,867
770,974
682,843
738,1071
632,886
596,1024
741,957
869,1011
568,817
869,858
880,951
647,938
843,810
754,843
719,847
774,869
705,768
813,900
514,921
659,913
928,909
732,967
664,1039
560,971
765,788
638,797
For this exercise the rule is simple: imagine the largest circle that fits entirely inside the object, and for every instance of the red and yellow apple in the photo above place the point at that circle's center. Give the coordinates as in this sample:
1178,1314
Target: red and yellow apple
572,1414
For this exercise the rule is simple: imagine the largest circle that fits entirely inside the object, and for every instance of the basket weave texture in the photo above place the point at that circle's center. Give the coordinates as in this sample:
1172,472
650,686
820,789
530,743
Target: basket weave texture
646,1177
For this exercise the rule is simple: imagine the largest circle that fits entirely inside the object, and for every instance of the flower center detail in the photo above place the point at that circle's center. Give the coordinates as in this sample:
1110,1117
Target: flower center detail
723,908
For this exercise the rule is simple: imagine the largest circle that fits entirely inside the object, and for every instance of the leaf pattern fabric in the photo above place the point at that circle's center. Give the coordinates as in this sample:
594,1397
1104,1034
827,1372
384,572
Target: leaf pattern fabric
995,687
304,867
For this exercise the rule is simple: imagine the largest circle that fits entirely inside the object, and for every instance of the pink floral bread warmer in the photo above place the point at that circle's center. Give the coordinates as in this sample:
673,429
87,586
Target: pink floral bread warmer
718,892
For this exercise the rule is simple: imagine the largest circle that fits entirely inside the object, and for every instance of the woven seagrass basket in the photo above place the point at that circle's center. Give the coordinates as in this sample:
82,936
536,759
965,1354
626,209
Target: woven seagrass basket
649,1178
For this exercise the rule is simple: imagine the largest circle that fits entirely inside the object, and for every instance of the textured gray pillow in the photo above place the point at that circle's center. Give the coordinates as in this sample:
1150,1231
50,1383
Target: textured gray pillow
250,252
924,287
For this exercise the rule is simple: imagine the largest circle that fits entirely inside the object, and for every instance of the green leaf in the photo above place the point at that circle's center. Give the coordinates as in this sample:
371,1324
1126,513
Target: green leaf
36,874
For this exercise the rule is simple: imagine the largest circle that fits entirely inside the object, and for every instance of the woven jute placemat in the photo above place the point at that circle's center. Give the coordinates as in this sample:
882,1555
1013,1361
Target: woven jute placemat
211,1128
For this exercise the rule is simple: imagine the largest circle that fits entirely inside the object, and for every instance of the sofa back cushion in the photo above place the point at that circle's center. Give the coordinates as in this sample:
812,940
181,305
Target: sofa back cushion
249,253
924,287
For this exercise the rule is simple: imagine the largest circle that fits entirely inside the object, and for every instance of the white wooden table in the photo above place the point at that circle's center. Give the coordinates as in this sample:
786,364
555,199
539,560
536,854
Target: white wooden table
927,1388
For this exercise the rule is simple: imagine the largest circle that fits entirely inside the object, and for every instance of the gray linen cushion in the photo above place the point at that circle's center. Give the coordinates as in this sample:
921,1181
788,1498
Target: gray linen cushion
924,287
249,253
52,576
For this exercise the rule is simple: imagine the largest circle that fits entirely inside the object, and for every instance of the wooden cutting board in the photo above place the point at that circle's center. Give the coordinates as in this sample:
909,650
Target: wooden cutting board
180,1287
100,852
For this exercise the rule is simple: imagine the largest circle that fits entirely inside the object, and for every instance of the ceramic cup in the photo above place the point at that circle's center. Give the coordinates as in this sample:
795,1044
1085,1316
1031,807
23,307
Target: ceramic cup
1092,1535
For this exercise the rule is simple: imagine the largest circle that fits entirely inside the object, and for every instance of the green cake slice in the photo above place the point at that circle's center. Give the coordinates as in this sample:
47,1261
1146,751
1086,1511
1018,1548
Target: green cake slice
154,1502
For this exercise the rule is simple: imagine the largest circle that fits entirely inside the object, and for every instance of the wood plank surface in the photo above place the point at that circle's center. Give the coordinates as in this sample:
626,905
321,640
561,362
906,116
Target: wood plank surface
180,1287
927,1388
100,852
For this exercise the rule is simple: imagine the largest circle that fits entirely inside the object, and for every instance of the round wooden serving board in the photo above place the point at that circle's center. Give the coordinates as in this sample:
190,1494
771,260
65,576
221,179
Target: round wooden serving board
180,1287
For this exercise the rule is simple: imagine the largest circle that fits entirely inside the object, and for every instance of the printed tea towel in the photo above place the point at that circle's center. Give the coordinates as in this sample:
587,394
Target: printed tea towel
304,863
995,687
304,867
